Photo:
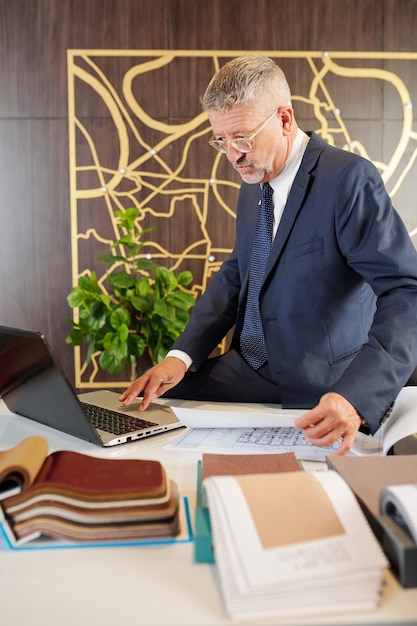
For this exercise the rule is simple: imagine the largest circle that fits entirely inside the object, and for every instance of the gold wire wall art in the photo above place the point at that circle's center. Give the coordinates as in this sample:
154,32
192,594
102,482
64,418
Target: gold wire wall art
138,137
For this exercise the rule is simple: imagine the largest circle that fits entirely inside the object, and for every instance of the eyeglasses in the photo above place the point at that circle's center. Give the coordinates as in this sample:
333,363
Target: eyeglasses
241,144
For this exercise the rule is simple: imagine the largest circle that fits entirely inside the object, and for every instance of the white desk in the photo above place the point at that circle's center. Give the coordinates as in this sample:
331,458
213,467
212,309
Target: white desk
146,586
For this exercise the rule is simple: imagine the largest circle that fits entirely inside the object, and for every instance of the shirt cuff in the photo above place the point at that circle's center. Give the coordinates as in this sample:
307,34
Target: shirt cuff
183,356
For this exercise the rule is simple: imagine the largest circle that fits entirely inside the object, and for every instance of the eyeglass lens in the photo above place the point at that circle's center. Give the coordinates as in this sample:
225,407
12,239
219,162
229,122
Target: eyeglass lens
241,144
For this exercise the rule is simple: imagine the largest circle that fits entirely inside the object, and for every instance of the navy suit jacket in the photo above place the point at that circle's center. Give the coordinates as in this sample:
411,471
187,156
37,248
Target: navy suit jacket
339,300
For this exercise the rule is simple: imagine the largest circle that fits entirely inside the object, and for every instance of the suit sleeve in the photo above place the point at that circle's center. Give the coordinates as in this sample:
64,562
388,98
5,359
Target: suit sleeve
377,246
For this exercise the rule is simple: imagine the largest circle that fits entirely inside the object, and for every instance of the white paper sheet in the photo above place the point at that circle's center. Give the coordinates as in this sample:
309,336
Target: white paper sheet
237,416
249,440
403,419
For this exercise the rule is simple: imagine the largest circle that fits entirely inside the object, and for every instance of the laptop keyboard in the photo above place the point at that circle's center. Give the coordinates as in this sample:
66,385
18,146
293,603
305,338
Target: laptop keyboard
112,421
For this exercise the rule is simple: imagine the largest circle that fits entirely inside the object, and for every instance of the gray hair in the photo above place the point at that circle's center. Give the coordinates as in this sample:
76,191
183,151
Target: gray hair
245,80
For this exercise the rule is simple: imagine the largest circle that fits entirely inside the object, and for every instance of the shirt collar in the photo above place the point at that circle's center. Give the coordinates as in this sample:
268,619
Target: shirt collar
281,184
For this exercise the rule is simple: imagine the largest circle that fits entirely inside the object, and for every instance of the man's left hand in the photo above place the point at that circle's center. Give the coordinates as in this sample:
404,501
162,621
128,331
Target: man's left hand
332,419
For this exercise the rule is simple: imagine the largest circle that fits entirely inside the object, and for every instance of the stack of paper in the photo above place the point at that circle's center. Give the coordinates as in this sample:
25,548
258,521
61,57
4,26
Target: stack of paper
292,543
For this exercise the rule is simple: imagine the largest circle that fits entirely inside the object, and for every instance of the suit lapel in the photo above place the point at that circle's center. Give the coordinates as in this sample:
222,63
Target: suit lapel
295,199
289,216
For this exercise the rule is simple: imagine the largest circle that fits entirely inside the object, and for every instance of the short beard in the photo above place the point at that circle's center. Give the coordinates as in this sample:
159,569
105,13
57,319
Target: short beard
252,179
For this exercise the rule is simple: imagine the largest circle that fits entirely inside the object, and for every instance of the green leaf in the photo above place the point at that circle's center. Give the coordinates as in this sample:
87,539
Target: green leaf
122,280
181,299
76,337
144,265
75,298
128,217
161,308
126,240
177,322
123,332
93,281
160,353
110,258
140,304
143,288
165,280
89,284
135,345
119,317
111,363
100,334
92,347
113,343
182,317
99,312
185,278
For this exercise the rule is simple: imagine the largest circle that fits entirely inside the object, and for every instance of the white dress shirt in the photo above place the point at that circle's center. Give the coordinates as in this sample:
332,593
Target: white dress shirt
282,183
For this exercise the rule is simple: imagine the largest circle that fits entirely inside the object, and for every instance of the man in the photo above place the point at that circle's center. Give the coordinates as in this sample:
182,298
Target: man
337,300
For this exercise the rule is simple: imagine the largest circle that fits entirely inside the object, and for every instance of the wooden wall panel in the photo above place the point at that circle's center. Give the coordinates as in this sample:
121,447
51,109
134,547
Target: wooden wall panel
35,252
274,25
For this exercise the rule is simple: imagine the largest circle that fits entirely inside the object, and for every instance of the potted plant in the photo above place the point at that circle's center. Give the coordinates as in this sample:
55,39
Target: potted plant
142,306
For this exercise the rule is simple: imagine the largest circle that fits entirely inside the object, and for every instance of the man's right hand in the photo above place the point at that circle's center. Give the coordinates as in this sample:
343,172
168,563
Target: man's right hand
155,382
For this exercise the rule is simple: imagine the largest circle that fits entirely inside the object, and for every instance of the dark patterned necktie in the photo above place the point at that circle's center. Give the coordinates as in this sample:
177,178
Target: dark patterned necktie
252,341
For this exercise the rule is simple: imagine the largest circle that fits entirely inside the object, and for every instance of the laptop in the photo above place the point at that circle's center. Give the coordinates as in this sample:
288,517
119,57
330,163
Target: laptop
33,384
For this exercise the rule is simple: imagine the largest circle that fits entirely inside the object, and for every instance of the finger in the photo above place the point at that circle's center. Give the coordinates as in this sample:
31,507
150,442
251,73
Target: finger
331,438
132,391
345,446
304,422
124,396
155,388
310,418
328,438
325,429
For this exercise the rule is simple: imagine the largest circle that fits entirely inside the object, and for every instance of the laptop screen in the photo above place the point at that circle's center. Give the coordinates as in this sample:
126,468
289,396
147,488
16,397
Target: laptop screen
32,384
21,357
